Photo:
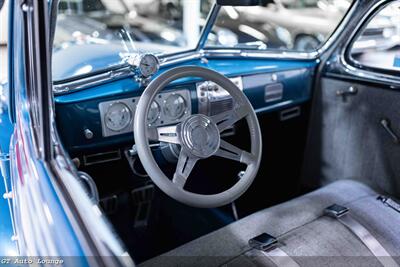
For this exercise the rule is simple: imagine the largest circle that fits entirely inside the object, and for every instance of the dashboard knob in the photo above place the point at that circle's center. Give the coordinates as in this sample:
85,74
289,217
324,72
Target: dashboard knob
88,134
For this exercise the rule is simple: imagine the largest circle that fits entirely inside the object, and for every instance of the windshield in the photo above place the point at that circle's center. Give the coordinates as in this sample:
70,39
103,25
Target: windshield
267,27
92,35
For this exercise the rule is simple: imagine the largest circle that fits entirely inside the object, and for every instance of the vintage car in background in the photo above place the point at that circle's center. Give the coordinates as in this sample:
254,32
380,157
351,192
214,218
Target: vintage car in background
311,22
246,31
118,148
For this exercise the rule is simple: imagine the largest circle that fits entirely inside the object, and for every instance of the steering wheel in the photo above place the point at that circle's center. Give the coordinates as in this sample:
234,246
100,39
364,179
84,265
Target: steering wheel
199,137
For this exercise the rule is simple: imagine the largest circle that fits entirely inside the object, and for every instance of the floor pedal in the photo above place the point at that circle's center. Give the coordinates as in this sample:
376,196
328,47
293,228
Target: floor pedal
109,204
142,200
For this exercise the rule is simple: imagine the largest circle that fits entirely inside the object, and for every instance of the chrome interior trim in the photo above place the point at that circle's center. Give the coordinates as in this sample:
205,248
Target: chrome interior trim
82,83
210,53
213,99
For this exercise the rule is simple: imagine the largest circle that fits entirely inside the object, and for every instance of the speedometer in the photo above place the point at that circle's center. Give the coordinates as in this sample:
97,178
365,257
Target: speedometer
175,106
154,112
118,116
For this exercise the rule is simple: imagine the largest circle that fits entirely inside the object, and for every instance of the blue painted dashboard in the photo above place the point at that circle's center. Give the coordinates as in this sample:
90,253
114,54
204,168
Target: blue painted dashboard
78,111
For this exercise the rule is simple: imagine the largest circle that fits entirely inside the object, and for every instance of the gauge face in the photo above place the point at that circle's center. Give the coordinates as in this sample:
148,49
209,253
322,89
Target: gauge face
154,112
175,106
118,116
148,65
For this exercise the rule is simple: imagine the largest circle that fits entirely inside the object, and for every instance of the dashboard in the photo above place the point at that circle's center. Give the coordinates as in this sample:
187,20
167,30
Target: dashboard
104,113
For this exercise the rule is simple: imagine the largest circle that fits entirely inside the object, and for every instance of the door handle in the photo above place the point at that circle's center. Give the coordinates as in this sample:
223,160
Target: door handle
386,125
344,93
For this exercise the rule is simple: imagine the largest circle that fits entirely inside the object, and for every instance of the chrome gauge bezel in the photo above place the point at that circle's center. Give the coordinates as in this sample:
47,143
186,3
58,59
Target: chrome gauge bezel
137,63
158,107
155,65
184,110
125,123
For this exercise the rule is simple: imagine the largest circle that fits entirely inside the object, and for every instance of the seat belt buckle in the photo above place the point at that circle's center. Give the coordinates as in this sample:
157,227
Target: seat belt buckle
336,211
263,242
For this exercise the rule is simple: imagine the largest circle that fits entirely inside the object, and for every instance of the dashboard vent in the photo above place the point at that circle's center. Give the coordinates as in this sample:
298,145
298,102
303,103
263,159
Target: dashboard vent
220,106
101,157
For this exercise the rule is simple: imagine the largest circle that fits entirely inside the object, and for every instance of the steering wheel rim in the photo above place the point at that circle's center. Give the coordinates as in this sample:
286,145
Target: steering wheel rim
142,133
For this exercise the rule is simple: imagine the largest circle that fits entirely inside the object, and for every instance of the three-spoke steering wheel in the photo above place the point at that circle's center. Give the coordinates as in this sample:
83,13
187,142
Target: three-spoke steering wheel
199,138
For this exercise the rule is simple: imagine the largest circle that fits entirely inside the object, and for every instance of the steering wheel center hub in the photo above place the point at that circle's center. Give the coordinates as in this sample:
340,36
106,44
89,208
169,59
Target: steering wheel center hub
200,136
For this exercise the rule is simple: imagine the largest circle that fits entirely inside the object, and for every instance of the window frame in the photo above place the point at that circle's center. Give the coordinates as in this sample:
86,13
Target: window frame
35,90
356,66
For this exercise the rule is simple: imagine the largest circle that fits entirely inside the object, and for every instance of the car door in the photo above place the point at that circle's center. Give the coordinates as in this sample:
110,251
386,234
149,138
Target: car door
47,221
355,123
41,223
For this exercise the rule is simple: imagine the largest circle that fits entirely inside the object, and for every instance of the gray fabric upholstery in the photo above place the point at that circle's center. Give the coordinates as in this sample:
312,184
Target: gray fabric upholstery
302,229
347,141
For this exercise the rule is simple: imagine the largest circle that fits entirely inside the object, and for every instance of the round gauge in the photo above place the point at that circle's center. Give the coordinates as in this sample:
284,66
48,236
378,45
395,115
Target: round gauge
148,65
118,116
154,112
175,106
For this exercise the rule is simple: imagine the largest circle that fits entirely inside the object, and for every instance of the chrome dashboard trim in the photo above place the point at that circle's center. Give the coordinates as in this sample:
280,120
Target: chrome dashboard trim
211,53
212,97
83,83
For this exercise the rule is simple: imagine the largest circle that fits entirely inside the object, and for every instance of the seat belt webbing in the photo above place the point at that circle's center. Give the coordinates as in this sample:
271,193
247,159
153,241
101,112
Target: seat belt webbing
342,215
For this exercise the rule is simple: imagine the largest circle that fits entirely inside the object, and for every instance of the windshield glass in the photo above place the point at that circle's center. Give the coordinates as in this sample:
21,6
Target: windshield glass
92,35
283,25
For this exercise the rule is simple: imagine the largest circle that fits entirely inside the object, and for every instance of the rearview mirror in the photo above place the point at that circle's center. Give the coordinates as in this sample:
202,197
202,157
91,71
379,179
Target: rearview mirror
242,2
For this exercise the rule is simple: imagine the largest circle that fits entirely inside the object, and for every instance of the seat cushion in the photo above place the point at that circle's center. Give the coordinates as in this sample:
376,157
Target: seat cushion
302,230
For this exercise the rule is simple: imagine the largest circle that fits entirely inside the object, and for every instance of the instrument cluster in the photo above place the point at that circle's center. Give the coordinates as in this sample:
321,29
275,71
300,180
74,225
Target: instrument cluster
167,108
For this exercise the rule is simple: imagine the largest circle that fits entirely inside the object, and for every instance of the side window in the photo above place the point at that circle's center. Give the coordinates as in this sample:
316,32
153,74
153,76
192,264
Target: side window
301,25
378,44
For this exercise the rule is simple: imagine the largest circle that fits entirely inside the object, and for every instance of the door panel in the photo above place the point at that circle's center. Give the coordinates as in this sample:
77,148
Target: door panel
348,138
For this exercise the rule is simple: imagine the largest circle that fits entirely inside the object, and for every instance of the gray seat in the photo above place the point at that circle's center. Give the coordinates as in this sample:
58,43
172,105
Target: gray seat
302,230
